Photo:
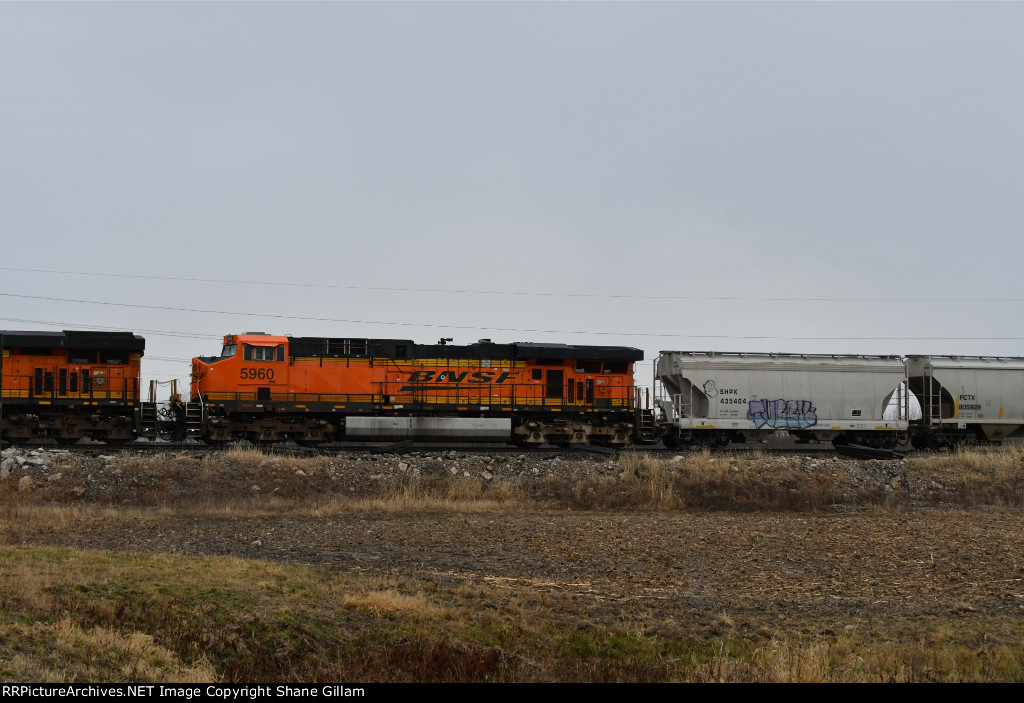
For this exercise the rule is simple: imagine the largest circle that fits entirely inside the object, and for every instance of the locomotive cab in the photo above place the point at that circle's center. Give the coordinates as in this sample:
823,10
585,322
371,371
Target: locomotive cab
252,364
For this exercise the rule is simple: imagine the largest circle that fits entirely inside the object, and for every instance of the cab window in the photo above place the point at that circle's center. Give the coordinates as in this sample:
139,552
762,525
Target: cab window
251,353
229,350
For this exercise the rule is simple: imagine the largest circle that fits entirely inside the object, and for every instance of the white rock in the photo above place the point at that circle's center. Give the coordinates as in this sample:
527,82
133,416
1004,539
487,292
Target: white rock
25,483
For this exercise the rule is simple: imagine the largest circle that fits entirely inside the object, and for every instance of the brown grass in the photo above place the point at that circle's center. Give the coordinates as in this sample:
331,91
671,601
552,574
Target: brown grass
983,476
95,616
249,481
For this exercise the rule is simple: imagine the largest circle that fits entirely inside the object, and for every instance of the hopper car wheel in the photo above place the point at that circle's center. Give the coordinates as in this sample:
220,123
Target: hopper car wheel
967,441
716,441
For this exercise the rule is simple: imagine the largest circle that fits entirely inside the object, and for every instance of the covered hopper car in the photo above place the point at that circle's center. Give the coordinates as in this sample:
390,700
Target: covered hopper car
714,398
966,400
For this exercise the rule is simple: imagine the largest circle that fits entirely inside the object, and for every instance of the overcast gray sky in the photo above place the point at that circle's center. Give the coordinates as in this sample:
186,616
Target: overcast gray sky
798,177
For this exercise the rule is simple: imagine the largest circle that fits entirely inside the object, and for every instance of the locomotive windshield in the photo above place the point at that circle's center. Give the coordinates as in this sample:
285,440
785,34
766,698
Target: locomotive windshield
229,350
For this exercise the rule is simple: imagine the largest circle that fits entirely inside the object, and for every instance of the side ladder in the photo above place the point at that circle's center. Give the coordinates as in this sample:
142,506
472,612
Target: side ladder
646,432
194,420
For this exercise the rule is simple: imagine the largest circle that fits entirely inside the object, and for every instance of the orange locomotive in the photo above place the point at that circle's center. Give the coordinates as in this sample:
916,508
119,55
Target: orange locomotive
70,385
269,388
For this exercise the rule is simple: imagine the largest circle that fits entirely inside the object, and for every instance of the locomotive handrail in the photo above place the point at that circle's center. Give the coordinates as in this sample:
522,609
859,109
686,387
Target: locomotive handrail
483,395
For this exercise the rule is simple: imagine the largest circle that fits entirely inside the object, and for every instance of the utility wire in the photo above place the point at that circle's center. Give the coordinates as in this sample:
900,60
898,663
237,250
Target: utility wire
544,294
660,335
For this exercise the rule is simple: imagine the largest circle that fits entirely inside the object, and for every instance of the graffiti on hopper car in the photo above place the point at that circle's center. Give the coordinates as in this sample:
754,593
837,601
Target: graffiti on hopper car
782,414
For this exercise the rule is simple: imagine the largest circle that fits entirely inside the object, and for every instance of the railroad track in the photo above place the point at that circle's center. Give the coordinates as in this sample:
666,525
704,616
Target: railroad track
291,449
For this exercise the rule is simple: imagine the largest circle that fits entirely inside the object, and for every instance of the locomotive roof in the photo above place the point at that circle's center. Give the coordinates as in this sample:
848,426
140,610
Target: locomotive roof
542,350
484,349
777,355
73,339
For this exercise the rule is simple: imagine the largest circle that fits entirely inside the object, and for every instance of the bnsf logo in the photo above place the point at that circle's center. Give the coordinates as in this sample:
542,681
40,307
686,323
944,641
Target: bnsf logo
453,377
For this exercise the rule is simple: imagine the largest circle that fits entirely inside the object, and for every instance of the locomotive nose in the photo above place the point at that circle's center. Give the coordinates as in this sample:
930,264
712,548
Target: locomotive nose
199,370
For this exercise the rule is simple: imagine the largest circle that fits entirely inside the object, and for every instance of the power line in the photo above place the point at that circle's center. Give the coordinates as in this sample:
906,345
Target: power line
542,294
659,335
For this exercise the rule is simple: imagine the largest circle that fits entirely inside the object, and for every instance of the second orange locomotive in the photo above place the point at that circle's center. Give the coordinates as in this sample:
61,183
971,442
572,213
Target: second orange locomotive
267,388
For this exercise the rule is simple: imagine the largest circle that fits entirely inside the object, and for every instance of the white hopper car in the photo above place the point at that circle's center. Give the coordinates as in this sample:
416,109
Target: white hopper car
714,398
966,400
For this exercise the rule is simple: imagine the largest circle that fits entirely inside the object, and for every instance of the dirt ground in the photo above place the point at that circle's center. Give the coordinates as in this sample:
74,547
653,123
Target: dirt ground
670,573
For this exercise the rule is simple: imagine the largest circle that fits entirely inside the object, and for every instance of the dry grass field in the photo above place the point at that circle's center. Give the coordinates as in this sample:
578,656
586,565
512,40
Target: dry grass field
244,566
